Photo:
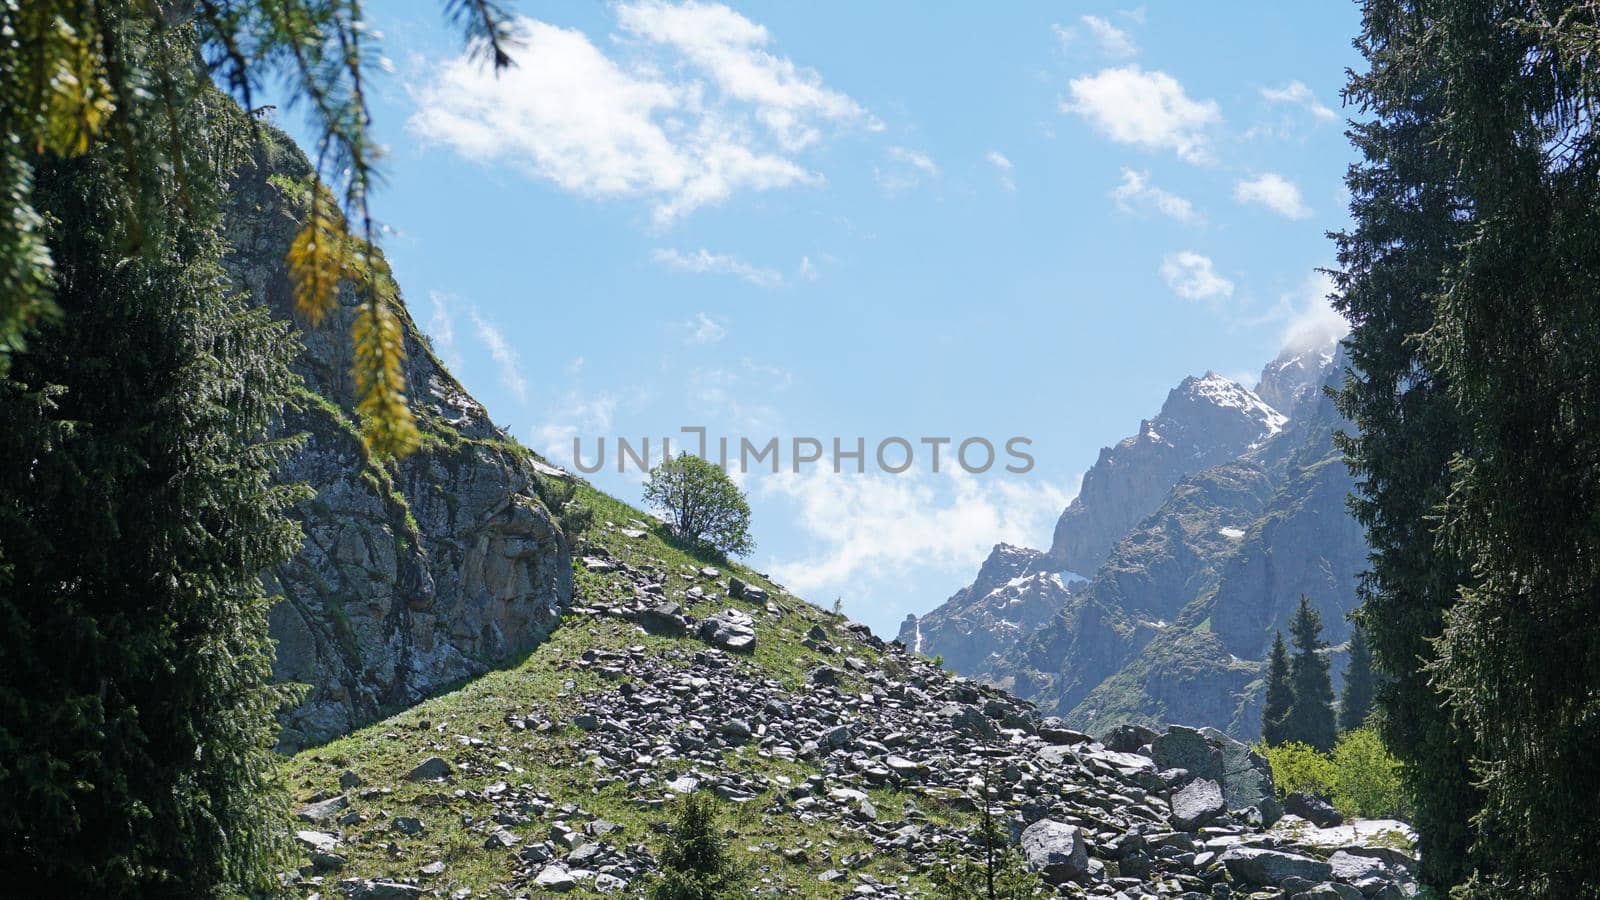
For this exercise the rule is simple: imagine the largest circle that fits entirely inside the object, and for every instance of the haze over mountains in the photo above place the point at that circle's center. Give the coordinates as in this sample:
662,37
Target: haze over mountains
1185,550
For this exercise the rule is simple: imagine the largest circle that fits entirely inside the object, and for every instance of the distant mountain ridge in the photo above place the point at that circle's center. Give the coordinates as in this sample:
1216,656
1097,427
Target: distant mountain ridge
1175,618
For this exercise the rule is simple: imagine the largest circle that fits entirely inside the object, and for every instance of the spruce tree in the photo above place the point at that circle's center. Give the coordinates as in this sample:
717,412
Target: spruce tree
137,509
1355,701
1517,336
1280,695
1310,719
1405,210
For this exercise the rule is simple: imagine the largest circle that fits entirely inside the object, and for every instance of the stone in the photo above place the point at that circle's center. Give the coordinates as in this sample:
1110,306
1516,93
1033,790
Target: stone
1186,748
379,890
1197,804
407,825
1260,867
325,809
1056,850
349,780
1313,809
970,720
434,868
555,878
664,619
431,769
501,839
1127,738
730,629
318,841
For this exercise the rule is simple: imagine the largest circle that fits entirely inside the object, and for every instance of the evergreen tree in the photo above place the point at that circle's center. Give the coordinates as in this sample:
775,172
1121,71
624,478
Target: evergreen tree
695,863
1405,209
136,714
1280,695
1310,719
1355,702
1517,336
1472,279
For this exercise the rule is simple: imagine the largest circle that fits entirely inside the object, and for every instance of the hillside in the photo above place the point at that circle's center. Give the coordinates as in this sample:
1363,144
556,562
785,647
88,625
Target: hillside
847,765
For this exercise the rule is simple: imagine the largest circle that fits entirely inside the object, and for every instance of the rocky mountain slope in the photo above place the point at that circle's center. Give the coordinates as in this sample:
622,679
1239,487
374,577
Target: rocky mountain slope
1205,421
413,575
1173,626
846,766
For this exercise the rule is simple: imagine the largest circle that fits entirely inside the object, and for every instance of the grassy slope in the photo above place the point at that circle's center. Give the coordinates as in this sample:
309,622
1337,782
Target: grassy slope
545,685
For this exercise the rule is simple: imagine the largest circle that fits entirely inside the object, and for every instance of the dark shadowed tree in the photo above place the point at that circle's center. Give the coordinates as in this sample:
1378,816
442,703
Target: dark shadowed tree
1472,279
1310,719
1280,695
1407,219
1355,701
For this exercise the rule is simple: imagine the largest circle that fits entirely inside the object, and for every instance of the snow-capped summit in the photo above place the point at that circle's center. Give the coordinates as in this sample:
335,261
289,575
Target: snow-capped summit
1294,375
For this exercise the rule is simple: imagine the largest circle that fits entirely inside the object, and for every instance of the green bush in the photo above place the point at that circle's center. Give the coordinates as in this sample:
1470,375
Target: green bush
1366,778
1359,777
1298,767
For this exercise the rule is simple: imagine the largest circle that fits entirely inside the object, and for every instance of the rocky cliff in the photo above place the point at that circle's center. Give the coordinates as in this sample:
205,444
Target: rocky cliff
415,574
1015,592
1204,422
1174,623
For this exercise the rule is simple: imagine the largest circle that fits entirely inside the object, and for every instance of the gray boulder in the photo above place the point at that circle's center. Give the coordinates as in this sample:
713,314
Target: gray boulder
1260,867
1186,748
1056,850
1127,738
1197,804
730,629
1315,810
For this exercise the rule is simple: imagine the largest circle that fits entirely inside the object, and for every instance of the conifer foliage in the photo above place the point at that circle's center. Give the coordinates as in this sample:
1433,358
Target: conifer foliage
136,513
1471,277
1355,701
76,79
1280,695
1310,719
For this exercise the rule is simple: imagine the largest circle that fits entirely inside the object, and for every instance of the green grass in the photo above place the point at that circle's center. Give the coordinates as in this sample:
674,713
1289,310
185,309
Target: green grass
545,684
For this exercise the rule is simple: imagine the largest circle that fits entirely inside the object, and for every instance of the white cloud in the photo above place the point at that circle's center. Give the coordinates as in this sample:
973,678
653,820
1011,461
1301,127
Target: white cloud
703,261
910,166
916,159
1113,41
442,329
1146,109
808,269
705,330
503,354
1313,321
1194,277
600,127
575,416
914,522
1003,166
1296,93
1137,192
1275,192
788,99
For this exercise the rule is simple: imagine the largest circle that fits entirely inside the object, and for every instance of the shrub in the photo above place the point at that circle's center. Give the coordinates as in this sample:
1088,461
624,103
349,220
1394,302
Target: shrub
1359,777
1366,778
1298,767
702,504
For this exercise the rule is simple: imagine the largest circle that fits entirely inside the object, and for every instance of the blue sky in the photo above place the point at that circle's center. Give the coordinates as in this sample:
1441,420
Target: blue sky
847,219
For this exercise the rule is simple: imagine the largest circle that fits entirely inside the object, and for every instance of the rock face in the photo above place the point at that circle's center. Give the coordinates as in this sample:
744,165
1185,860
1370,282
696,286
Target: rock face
1015,592
1204,422
1176,619
412,575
